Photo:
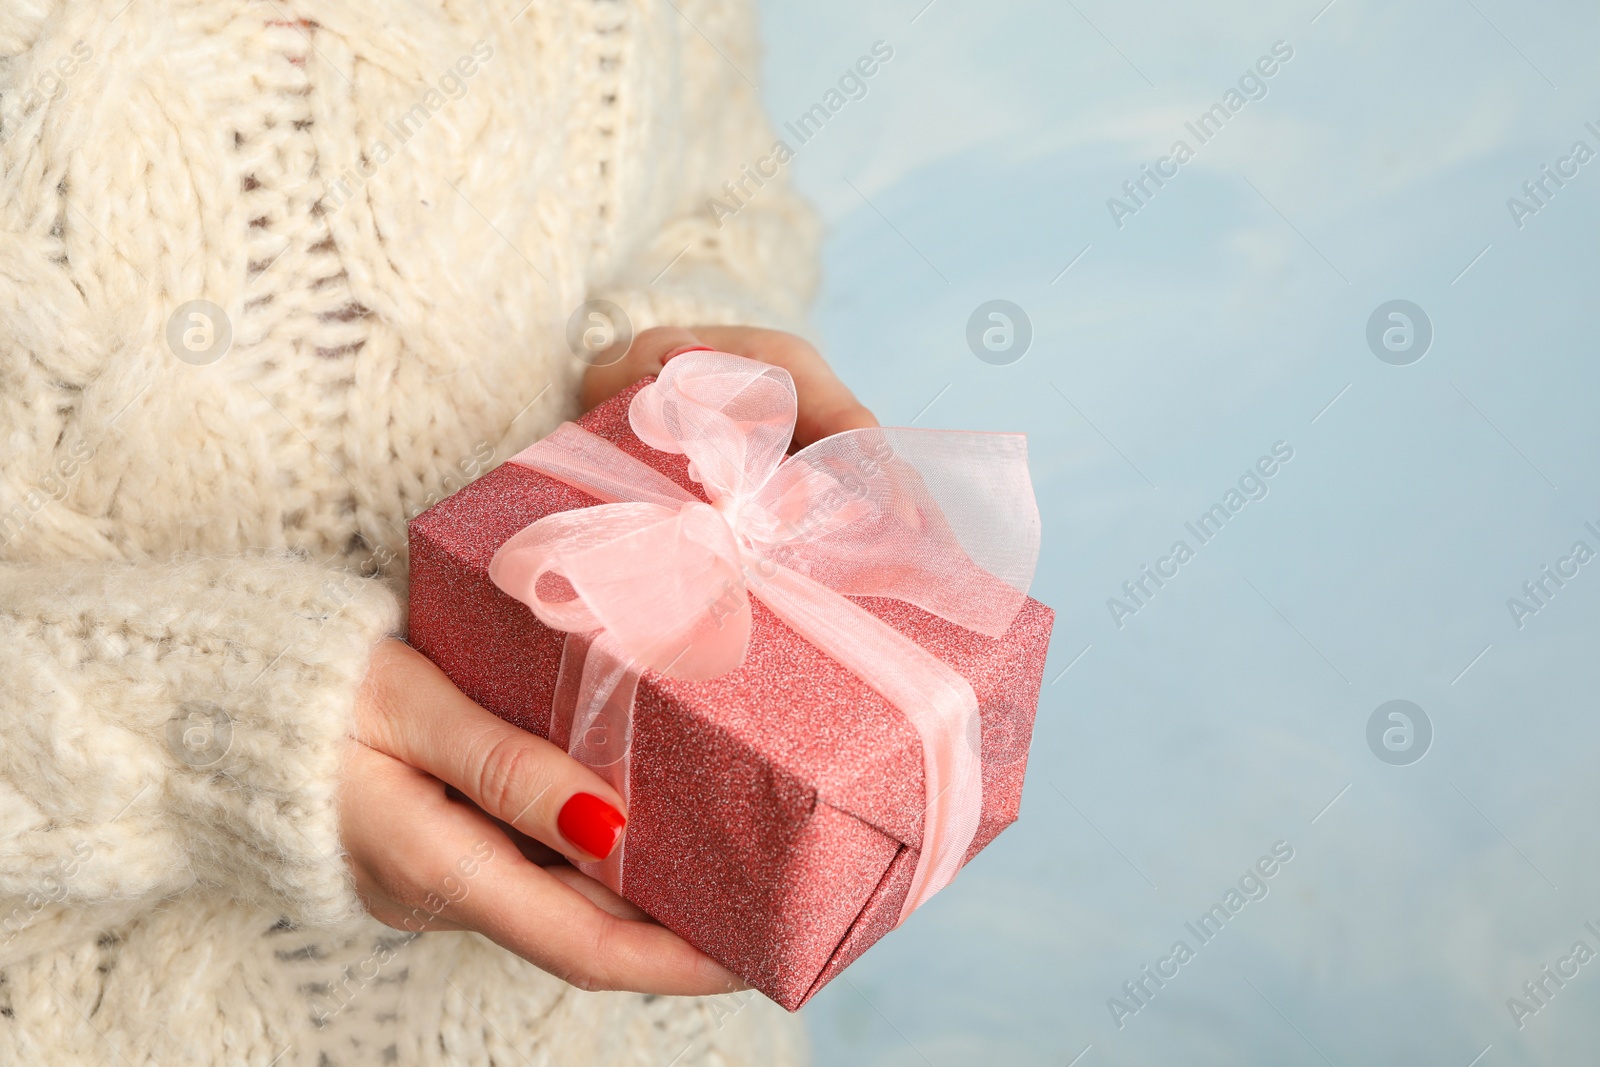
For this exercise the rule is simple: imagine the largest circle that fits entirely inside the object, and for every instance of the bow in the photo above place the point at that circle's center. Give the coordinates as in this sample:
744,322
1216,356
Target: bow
657,579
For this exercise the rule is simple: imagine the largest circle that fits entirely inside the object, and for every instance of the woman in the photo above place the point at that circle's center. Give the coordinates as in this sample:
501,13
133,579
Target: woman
275,277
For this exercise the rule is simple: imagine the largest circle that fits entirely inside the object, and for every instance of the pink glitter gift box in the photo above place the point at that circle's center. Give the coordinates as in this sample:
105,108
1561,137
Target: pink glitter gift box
775,812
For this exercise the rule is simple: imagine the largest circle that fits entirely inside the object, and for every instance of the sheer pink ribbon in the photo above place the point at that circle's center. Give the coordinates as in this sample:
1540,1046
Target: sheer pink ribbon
655,579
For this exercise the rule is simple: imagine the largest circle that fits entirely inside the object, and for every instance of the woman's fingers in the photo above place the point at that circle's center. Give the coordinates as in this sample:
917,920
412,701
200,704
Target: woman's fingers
643,359
597,894
399,832
827,406
577,941
426,862
417,715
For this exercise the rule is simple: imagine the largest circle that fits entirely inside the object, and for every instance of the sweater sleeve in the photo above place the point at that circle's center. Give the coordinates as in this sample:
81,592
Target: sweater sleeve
735,245
166,727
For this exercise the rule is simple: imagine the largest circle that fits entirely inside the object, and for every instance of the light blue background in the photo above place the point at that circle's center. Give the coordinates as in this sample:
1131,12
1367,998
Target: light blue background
1224,317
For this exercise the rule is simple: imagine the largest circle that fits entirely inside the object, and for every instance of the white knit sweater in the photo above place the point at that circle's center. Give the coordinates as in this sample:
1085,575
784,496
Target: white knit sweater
397,206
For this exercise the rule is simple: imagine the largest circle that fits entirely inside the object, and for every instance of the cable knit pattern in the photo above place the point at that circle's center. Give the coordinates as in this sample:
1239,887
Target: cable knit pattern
397,209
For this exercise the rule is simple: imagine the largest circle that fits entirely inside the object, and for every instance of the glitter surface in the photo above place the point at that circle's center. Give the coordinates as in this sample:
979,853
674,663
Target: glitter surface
775,811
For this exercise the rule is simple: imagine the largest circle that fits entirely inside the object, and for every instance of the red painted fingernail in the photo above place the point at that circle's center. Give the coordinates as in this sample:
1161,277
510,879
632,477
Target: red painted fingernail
591,824
687,348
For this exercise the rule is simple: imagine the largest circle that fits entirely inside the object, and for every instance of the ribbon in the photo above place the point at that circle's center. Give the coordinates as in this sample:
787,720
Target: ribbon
656,579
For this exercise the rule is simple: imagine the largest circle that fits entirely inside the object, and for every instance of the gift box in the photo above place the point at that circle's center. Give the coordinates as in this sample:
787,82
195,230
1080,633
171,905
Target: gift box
775,812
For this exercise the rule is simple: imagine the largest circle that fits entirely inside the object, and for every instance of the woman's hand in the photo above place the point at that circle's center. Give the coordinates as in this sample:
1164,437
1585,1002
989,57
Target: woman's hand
444,808
450,815
826,406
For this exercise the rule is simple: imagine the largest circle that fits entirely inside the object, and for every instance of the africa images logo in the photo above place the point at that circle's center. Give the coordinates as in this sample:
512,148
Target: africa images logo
853,84
1252,886
1153,177
1252,486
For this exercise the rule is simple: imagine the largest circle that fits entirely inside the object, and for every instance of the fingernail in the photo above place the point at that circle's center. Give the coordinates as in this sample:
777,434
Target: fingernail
732,983
591,824
721,976
687,348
